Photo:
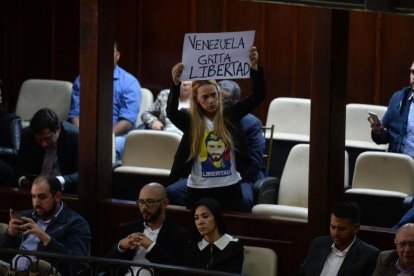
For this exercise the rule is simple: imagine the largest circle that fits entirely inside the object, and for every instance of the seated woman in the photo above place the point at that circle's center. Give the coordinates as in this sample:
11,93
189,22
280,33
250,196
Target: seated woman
10,129
212,248
155,117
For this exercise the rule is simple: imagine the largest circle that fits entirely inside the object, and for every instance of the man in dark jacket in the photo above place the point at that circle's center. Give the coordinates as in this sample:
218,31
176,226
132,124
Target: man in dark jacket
49,147
154,238
51,226
341,253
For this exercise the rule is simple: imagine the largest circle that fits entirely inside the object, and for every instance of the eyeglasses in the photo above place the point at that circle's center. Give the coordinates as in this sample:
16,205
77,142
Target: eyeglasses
403,244
148,202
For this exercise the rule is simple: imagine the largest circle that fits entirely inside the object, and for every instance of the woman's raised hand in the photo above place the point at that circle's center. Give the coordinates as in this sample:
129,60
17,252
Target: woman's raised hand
176,72
254,57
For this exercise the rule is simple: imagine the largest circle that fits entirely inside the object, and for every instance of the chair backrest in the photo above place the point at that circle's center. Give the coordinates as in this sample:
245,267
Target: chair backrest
268,132
3,228
35,94
294,183
384,171
150,149
358,129
147,98
259,261
291,117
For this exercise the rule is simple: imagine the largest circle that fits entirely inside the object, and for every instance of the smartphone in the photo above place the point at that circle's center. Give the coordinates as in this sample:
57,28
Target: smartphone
16,215
374,117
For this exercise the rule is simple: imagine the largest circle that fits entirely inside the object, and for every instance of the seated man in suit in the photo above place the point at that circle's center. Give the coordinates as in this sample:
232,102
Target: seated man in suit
399,261
342,253
49,146
154,238
252,130
51,226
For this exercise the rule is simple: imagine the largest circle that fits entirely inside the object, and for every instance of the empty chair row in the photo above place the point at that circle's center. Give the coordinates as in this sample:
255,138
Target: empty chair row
35,94
382,186
291,117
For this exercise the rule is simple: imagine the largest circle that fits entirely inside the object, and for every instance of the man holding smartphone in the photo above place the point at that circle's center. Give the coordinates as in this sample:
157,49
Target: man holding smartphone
397,128
51,226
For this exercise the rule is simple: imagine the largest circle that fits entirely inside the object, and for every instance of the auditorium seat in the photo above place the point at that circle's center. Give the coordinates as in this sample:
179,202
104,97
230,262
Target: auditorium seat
35,94
259,261
148,156
147,99
382,186
291,120
292,197
358,131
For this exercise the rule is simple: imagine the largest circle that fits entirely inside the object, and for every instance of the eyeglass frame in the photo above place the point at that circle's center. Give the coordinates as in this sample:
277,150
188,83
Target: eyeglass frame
404,244
152,202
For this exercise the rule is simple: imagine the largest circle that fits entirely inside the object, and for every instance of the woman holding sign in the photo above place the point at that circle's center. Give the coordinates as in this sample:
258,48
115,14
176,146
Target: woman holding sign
213,152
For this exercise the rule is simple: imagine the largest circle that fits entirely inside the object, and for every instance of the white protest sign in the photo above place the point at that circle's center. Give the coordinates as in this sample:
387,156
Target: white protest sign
217,55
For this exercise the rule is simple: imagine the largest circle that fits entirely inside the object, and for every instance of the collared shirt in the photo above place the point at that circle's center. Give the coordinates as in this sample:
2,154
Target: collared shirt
334,260
408,140
141,251
31,242
126,97
402,271
220,243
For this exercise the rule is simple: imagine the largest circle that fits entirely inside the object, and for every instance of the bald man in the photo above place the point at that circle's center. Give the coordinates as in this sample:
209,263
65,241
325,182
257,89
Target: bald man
154,238
399,261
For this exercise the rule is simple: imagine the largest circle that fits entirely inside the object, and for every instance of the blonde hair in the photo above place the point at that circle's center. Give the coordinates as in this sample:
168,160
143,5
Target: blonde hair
197,125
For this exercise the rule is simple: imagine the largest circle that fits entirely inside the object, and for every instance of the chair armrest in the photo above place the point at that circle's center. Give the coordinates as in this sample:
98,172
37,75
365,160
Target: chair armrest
407,204
266,190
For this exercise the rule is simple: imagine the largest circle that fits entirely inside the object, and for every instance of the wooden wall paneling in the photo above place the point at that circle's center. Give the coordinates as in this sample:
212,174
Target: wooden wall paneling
328,92
65,40
237,20
301,80
34,40
209,16
127,33
162,40
362,57
397,54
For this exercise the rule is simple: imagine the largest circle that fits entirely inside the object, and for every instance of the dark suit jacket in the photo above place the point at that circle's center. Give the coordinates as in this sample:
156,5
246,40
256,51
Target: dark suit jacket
31,154
386,264
70,235
168,249
360,259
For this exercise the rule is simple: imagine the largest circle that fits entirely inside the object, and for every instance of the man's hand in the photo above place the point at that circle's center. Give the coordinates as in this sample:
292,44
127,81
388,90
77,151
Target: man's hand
376,127
135,240
14,224
31,227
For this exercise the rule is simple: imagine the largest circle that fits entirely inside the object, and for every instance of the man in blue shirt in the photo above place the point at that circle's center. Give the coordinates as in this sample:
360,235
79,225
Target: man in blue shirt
397,126
126,103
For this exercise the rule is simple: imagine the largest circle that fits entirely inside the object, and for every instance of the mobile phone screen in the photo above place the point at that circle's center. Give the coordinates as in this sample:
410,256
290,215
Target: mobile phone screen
374,117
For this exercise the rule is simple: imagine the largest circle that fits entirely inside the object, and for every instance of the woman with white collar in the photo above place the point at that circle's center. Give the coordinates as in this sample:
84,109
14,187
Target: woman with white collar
213,249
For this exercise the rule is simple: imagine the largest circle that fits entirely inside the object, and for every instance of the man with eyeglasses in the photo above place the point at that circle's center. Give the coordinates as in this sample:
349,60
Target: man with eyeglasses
155,238
399,261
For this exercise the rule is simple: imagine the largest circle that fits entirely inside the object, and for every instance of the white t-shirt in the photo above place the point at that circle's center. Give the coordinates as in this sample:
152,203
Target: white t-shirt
215,165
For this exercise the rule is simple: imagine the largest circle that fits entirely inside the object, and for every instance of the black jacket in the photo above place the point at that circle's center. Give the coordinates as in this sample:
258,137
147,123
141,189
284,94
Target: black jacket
10,129
359,261
31,154
168,249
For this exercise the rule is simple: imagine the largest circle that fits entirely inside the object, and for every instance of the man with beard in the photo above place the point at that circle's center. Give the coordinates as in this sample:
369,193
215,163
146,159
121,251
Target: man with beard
397,127
342,253
154,238
50,226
